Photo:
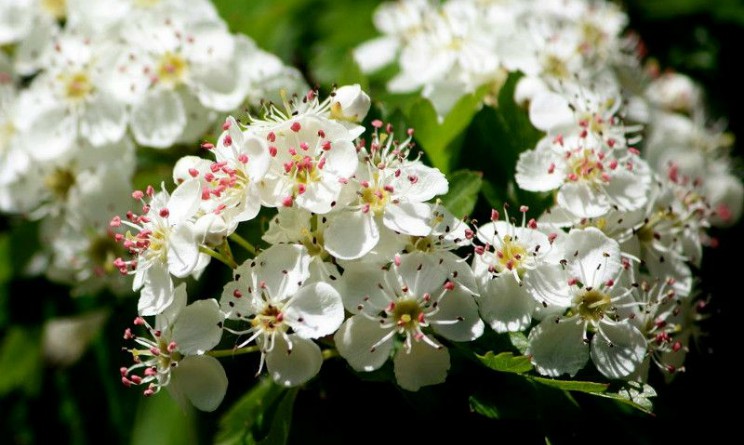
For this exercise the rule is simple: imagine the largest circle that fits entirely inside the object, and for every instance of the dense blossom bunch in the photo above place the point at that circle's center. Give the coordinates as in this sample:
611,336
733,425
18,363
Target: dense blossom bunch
358,255
85,82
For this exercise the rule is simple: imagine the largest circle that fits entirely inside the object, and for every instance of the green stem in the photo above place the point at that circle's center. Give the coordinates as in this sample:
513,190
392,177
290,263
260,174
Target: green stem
232,352
243,243
218,256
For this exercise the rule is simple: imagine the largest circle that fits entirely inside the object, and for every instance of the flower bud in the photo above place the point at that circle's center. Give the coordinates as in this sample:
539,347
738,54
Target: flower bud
350,103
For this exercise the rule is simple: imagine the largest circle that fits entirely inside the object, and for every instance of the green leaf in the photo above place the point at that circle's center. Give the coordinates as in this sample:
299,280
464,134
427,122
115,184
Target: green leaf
483,408
634,394
20,361
161,421
572,385
506,362
519,341
351,74
249,414
464,186
435,137
6,271
281,421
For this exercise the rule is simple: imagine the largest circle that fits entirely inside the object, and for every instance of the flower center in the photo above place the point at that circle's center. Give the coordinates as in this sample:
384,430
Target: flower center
376,198
407,314
103,250
592,304
55,8
77,86
172,69
59,182
270,319
511,255
555,66
585,166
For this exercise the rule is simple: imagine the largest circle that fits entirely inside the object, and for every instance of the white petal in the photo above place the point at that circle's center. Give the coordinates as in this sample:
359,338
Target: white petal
158,119
558,348
184,202
341,160
583,200
533,171
618,349
548,284
355,339
375,54
218,86
360,284
283,267
104,121
183,250
424,365
550,111
201,379
430,182
629,191
505,305
166,319
457,306
54,135
198,327
157,291
316,310
350,235
410,218
295,367
594,257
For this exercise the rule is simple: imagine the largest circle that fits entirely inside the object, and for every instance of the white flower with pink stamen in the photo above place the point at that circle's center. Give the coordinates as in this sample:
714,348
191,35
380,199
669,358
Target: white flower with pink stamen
590,180
173,355
588,281
164,243
503,264
313,159
284,311
229,185
405,302
392,192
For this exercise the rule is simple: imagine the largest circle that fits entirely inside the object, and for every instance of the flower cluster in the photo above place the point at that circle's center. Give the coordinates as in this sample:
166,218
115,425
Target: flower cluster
85,82
358,256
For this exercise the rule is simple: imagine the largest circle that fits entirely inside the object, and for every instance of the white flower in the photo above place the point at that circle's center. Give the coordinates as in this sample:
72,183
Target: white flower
165,243
67,102
502,266
284,311
590,180
174,356
312,160
167,64
402,303
587,281
393,191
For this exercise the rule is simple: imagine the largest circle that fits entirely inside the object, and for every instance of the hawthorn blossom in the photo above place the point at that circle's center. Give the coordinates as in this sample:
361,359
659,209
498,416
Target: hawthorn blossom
405,302
174,354
165,243
587,281
284,311
503,264
391,195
